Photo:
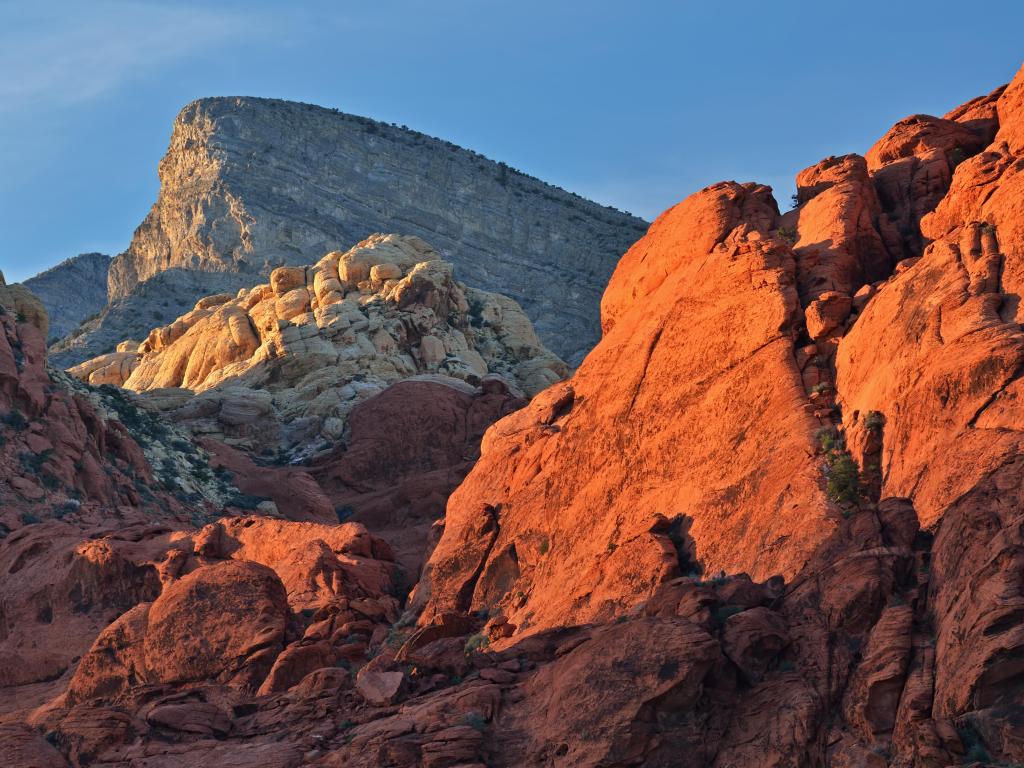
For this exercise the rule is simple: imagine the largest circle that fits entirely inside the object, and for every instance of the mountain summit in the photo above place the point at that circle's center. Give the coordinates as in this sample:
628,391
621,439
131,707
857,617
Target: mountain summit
248,185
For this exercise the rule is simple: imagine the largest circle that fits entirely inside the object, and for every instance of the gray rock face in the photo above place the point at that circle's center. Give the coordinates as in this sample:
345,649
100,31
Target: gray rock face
72,291
251,184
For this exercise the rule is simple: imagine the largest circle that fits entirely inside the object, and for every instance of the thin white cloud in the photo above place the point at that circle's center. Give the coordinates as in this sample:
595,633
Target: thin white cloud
75,52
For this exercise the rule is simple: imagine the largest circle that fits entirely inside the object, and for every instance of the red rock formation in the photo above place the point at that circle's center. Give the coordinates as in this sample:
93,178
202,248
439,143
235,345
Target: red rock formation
687,421
407,449
561,619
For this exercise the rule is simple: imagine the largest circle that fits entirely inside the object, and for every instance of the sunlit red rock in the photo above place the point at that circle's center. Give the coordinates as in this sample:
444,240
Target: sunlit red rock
653,459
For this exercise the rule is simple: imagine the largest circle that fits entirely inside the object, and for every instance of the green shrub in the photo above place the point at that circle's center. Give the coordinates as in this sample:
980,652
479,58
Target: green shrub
245,501
874,420
787,234
828,439
476,642
974,747
545,545
843,479
67,508
33,462
14,419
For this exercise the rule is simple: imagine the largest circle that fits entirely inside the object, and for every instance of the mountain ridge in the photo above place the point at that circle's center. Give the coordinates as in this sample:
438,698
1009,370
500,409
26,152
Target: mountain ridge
251,184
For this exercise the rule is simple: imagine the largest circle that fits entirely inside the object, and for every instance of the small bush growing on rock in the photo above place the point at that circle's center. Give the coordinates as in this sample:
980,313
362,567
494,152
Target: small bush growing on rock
843,485
545,545
723,613
874,420
344,513
827,438
988,229
400,584
974,747
27,518
787,234
14,419
820,387
475,721
842,476
476,642
33,462
67,508
245,501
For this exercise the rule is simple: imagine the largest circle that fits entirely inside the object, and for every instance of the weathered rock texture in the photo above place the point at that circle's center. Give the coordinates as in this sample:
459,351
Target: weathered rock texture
72,291
280,366
653,460
249,184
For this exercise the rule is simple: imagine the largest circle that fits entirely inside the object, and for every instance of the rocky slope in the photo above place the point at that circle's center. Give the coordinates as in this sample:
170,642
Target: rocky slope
279,367
374,364
249,185
774,519
72,291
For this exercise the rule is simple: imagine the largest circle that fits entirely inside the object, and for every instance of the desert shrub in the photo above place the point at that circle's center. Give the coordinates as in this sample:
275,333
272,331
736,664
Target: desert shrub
723,613
475,721
827,438
843,479
974,747
787,234
874,420
842,476
68,507
33,462
245,501
545,545
476,642
14,419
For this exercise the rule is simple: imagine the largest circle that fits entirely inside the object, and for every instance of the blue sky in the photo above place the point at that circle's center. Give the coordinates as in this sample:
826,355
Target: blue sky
635,104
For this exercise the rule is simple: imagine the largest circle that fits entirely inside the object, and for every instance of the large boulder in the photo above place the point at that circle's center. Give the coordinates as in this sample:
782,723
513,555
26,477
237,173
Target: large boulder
224,622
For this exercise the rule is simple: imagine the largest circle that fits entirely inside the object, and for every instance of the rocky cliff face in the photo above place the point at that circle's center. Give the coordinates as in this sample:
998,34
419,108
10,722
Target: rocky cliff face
248,185
72,291
774,519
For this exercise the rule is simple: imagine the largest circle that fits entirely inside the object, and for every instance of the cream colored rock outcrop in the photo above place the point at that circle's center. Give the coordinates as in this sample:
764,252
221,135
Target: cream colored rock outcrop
286,361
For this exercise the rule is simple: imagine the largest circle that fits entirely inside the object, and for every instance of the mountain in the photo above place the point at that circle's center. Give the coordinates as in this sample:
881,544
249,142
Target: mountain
774,518
72,291
249,184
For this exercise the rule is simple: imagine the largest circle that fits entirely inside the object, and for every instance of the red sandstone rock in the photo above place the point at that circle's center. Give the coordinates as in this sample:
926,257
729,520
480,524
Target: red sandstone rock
407,450
843,239
378,687
567,515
